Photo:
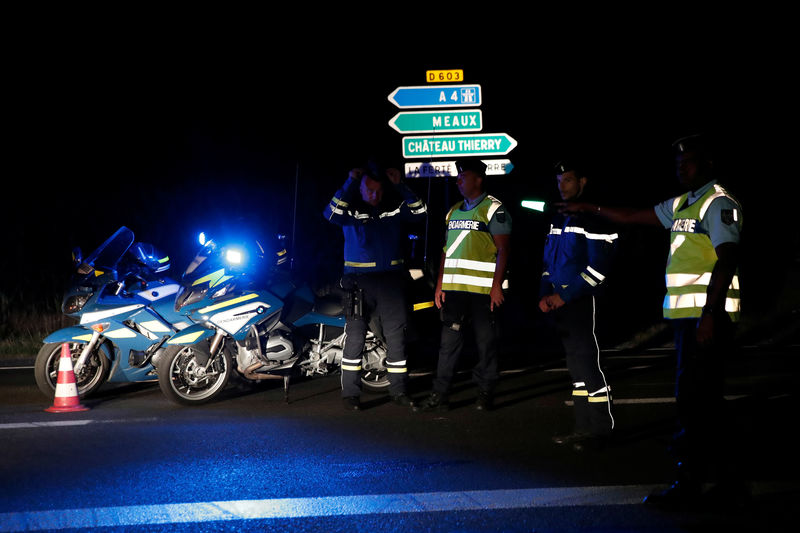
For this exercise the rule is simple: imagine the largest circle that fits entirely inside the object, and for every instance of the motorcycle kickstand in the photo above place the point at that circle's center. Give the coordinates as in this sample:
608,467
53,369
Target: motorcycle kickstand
286,388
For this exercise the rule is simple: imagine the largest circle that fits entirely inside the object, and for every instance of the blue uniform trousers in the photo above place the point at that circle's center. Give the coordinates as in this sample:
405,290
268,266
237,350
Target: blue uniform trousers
461,309
591,395
700,444
384,302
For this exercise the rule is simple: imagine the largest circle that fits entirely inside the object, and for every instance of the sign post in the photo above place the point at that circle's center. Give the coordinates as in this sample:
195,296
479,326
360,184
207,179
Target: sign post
443,127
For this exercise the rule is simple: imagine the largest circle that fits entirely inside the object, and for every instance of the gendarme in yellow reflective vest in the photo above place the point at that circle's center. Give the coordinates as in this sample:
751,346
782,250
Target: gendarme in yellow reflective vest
470,252
692,258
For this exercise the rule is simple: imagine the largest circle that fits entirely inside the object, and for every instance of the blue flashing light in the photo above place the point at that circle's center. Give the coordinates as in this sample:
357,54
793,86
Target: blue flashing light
234,257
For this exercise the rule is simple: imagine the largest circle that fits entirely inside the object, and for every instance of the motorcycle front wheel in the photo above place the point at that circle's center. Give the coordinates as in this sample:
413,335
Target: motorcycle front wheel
187,375
93,374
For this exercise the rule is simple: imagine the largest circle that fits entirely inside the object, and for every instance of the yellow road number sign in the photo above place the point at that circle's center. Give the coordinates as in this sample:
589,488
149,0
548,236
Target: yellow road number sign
444,76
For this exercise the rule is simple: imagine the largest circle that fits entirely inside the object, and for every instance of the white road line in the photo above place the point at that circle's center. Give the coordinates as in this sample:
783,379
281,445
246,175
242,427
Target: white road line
637,356
367,504
62,423
633,401
21,425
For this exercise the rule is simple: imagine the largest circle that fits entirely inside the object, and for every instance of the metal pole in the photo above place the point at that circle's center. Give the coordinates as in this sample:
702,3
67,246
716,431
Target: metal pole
294,213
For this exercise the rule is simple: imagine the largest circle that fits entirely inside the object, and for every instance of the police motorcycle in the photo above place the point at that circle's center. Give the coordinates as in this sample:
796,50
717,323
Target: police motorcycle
125,309
250,315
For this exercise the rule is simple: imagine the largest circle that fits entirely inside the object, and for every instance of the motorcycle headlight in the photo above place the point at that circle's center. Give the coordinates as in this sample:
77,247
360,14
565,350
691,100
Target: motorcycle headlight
75,303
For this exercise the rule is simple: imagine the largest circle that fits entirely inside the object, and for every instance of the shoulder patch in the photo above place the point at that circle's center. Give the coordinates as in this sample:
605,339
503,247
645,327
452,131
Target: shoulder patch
728,216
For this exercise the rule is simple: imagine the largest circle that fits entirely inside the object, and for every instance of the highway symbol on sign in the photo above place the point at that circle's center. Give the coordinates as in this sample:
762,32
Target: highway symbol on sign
437,121
437,96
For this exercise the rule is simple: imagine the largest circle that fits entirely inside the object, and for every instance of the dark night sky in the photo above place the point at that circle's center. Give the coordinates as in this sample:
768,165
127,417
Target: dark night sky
170,135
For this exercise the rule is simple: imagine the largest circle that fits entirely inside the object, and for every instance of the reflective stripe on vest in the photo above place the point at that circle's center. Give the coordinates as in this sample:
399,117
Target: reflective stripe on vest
470,252
691,260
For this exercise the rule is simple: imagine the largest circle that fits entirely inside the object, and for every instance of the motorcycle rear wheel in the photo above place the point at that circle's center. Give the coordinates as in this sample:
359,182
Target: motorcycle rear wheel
375,381
374,376
92,376
186,381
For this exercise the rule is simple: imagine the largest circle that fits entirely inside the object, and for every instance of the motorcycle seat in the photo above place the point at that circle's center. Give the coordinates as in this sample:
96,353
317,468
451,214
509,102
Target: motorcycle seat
329,306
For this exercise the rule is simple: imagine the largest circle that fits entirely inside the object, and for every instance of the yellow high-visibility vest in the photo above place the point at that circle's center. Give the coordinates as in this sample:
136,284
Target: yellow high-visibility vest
692,258
470,252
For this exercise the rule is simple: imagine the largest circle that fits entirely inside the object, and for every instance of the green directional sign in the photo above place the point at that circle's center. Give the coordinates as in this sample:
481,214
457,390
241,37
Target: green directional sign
478,144
437,121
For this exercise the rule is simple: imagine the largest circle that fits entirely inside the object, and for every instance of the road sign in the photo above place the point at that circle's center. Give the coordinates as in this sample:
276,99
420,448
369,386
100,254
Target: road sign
444,76
437,96
478,144
437,121
498,167
430,169
439,169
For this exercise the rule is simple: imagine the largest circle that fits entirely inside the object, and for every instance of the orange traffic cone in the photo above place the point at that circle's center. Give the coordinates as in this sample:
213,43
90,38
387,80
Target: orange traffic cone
66,399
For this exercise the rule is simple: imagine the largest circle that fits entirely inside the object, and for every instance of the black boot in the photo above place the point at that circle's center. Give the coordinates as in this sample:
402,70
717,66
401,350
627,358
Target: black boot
434,402
485,401
684,493
351,403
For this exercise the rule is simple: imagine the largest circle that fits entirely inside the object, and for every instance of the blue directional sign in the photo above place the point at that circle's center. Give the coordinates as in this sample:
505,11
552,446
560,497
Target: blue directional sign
437,96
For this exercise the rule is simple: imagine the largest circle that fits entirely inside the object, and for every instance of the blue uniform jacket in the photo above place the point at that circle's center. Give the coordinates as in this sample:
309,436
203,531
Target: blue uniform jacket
373,236
577,256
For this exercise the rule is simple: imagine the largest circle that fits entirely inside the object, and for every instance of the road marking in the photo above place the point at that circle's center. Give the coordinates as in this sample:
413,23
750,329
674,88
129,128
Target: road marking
634,401
670,399
63,423
367,504
20,425
636,356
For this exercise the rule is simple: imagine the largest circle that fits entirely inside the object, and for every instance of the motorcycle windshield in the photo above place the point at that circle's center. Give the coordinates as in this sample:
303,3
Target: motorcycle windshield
200,264
108,254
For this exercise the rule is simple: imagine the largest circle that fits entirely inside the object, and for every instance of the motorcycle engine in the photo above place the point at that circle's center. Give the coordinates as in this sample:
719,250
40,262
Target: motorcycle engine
255,352
279,347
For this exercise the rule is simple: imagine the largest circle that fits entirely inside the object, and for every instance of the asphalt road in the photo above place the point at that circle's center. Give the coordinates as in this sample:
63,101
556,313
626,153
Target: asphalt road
252,462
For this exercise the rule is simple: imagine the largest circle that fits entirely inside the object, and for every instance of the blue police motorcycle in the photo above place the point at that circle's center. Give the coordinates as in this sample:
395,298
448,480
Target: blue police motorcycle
125,307
250,315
